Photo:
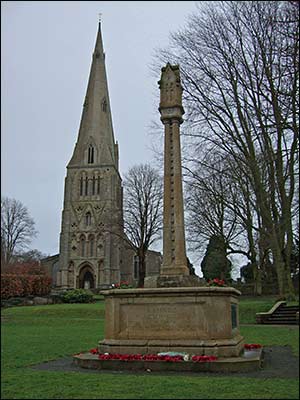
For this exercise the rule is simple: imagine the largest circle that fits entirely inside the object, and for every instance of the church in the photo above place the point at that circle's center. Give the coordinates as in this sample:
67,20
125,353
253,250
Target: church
93,253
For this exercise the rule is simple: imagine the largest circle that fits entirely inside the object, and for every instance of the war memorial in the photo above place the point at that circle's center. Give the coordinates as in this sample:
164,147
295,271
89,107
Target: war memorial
174,313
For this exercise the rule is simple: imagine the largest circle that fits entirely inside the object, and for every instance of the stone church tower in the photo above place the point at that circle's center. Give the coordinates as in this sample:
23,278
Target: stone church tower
92,221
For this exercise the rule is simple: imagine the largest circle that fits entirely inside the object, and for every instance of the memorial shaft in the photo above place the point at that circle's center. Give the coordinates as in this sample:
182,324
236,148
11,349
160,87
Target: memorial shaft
171,110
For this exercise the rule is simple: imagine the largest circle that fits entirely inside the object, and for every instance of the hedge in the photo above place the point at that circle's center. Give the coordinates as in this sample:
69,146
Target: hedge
13,285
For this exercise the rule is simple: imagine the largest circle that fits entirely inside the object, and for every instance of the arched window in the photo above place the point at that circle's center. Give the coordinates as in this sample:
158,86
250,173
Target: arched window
88,219
91,246
86,191
104,105
94,185
98,185
82,246
81,186
90,154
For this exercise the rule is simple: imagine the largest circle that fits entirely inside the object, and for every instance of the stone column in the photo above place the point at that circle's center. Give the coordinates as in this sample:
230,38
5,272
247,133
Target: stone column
174,254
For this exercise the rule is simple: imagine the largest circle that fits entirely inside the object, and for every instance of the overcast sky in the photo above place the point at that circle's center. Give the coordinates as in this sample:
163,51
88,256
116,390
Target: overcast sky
46,49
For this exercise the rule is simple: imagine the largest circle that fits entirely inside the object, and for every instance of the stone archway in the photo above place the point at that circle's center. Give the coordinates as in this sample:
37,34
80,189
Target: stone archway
86,278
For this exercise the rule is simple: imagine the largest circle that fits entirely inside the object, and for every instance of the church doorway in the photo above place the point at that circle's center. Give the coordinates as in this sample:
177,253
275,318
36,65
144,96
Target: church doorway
86,278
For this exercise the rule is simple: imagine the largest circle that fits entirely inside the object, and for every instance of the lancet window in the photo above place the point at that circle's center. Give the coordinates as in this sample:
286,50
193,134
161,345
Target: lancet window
91,152
98,185
81,186
88,219
91,246
104,105
94,185
86,189
82,246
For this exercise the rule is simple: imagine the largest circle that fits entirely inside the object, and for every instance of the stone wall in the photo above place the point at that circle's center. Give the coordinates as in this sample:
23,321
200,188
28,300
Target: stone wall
127,263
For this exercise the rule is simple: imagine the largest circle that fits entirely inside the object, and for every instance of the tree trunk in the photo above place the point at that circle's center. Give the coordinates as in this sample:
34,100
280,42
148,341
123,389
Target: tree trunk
257,288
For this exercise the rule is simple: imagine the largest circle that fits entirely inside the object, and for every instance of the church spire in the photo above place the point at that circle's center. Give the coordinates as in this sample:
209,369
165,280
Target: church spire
99,42
96,127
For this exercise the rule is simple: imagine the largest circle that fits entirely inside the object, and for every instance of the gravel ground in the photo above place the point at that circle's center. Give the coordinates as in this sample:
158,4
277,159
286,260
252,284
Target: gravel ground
279,362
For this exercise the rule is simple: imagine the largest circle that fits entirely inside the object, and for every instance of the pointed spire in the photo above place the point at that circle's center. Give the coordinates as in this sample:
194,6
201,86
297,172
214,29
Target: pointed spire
96,121
99,42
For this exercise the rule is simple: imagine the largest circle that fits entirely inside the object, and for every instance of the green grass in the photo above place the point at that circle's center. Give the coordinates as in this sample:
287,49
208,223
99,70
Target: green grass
98,297
248,307
37,334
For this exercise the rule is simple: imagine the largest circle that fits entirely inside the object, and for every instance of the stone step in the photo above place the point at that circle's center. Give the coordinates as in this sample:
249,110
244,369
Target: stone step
285,314
268,322
289,308
281,319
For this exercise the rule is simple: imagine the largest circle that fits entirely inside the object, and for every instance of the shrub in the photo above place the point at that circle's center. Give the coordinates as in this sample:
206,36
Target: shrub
77,296
25,279
41,285
26,268
11,286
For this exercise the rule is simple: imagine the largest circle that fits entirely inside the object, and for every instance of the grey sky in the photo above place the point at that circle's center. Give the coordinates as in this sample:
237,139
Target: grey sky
46,56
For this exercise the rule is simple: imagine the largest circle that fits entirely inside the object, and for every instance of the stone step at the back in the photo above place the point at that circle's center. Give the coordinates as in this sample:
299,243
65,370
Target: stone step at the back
285,314
281,320
288,322
281,317
289,308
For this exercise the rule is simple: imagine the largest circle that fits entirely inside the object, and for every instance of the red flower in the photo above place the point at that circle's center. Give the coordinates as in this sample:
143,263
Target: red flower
94,351
145,357
252,346
216,282
203,358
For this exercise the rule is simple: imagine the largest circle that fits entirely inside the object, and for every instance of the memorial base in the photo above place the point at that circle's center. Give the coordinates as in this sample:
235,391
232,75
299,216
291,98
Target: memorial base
194,320
248,361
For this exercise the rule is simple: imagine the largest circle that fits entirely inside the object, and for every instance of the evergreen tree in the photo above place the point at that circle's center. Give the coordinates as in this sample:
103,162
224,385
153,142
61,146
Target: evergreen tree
215,264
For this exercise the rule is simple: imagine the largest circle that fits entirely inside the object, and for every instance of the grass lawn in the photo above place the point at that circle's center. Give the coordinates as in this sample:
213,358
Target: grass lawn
32,335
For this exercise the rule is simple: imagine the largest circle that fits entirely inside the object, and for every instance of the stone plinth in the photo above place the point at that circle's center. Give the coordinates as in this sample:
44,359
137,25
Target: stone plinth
195,320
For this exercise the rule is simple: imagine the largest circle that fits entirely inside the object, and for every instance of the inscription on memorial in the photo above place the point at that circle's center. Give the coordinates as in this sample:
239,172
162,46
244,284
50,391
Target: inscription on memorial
154,320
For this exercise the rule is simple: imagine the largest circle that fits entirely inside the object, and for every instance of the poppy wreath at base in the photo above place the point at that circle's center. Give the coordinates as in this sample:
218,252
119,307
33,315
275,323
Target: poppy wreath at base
139,357
252,346
204,358
150,357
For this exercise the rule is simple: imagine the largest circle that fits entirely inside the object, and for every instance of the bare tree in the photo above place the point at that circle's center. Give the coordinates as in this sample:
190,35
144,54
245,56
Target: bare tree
17,228
142,211
33,255
219,205
240,72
